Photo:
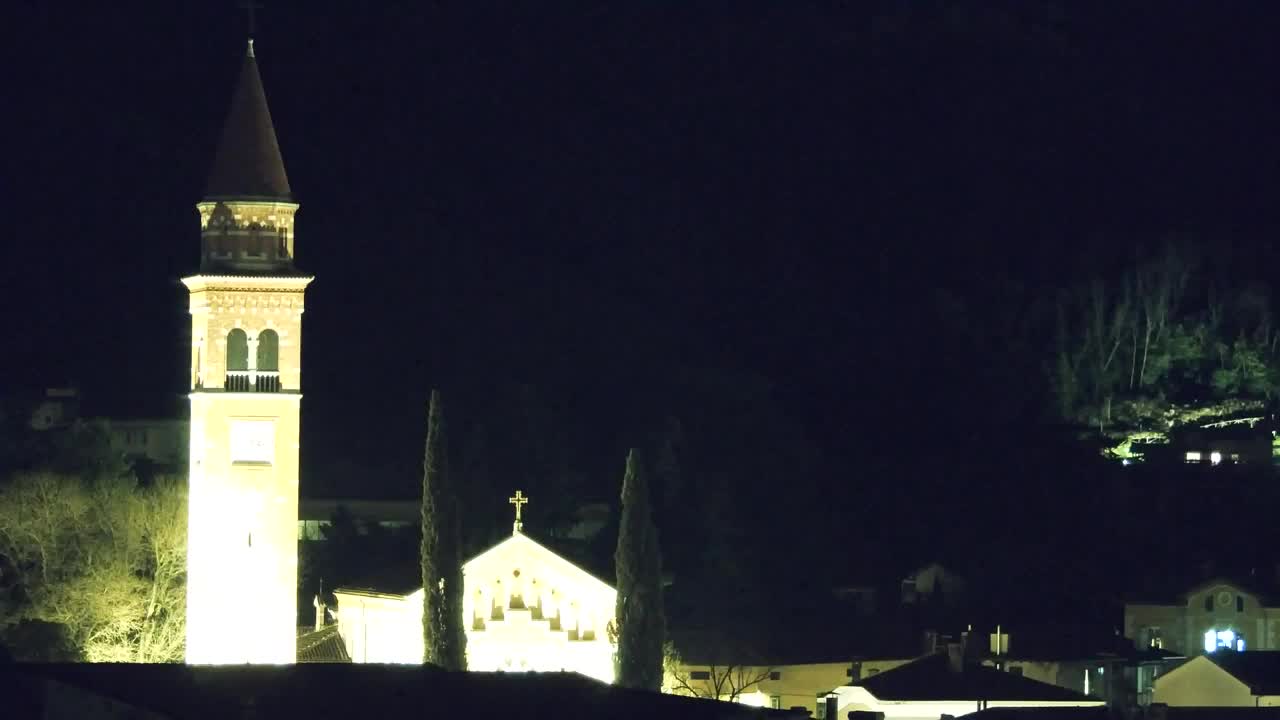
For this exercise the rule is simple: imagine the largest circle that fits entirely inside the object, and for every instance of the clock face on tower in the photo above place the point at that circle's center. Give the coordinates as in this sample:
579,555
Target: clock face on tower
253,441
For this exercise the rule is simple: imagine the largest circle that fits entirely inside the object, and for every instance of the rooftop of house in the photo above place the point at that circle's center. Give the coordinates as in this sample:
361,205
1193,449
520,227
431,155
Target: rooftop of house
318,691
932,678
1259,669
1067,641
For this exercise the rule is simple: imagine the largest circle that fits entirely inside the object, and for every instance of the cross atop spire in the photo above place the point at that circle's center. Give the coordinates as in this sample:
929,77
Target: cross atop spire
518,501
249,6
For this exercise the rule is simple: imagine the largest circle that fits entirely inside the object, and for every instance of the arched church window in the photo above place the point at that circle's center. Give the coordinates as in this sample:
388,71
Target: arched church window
237,351
268,350
1208,603
237,361
267,377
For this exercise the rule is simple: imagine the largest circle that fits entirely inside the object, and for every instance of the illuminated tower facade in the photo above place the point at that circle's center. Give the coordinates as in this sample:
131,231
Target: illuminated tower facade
246,350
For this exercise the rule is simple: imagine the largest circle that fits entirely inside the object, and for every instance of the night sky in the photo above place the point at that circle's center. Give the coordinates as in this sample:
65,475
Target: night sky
843,202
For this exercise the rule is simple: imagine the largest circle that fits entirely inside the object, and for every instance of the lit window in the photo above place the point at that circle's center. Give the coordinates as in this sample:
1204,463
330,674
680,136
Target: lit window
1217,639
1215,457
1193,457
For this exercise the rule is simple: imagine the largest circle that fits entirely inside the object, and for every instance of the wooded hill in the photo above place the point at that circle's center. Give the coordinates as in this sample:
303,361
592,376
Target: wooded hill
1174,340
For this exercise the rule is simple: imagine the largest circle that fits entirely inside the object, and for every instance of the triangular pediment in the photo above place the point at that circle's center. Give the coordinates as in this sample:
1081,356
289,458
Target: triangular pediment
520,548
518,552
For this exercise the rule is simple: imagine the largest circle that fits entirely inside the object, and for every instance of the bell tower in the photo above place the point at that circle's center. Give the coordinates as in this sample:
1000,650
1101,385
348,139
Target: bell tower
246,307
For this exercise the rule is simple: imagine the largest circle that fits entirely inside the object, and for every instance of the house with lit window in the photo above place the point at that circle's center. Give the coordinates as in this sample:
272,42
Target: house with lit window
1090,660
1219,614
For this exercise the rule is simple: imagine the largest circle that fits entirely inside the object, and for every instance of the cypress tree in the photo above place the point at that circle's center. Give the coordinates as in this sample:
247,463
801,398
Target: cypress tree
642,625
443,635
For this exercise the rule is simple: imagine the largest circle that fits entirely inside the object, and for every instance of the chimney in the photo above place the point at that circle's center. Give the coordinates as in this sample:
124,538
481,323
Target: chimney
320,610
955,657
930,642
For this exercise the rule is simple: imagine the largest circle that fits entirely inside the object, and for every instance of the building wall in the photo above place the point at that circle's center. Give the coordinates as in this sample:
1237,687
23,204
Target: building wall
161,441
796,685
380,629
1213,607
1200,682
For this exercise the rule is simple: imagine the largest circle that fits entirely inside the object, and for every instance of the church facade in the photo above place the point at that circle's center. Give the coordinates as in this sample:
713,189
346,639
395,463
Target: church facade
246,305
526,609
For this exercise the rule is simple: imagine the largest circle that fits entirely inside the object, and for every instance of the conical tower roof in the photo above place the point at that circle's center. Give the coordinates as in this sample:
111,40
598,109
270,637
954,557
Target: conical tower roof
248,164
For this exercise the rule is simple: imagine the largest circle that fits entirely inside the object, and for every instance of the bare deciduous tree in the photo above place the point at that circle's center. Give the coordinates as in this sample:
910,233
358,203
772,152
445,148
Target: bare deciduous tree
715,681
105,560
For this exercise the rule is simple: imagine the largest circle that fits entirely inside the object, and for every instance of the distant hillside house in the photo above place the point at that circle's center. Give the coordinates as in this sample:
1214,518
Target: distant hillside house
1231,442
1223,679
932,582
162,441
526,609
1219,614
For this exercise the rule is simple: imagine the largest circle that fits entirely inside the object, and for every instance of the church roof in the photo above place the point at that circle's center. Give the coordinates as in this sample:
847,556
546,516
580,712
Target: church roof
248,164
321,646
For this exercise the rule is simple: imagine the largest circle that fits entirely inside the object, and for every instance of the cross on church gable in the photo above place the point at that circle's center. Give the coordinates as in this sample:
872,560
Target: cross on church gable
519,501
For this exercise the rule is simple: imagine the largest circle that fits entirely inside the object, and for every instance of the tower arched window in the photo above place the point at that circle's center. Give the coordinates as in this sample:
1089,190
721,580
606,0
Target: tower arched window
237,361
267,367
268,350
